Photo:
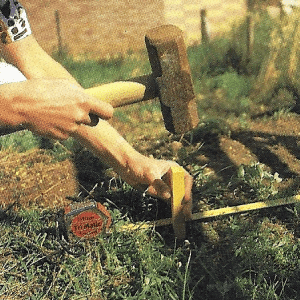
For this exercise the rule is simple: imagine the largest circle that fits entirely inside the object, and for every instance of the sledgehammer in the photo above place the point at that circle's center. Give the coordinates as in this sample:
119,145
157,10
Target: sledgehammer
170,81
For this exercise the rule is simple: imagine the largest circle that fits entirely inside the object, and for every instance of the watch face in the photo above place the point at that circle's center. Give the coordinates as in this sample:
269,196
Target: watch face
14,24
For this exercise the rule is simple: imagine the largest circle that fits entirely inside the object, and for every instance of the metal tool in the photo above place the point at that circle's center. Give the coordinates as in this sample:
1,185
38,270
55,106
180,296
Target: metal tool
86,219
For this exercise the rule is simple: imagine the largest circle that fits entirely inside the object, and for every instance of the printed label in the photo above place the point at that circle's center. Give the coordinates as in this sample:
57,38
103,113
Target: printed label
87,224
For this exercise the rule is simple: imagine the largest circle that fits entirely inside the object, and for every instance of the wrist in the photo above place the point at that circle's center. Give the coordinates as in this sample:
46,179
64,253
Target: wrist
129,160
11,113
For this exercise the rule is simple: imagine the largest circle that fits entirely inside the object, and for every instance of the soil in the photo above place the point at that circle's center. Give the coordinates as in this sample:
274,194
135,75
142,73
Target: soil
33,179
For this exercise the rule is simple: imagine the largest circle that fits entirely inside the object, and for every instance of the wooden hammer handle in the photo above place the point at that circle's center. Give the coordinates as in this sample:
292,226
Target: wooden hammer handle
123,93
118,94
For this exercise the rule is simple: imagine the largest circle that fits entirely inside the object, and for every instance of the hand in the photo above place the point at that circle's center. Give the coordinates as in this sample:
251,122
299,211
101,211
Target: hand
151,175
54,108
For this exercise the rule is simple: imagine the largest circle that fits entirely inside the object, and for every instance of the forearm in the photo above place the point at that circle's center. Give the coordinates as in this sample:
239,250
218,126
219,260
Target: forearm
22,102
103,139
109,146
10,97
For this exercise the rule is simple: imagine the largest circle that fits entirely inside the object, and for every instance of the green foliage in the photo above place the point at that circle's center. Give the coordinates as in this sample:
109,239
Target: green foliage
259,179
91,72
215,58
20,141
236,86
236,89
263,27
209,59
224,74
25,140
211,127
269,256
248,258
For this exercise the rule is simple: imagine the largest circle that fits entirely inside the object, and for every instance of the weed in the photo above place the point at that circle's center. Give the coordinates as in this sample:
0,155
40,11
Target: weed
211,127
20,141
244,121
259,179
236,86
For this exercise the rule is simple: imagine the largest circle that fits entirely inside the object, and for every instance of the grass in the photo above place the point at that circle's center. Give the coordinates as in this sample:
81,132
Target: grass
249,256
122,265
90,72
241,257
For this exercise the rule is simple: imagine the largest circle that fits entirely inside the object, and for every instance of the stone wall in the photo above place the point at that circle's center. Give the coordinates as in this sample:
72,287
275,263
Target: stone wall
103,28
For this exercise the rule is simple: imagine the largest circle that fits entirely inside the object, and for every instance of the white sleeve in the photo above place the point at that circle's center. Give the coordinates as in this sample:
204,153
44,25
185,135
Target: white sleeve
9,73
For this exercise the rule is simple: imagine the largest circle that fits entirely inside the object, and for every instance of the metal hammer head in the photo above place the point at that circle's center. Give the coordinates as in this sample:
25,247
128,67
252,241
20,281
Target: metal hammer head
170,67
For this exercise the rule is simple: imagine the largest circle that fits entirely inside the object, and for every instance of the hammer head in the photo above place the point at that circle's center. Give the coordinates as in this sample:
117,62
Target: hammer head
170,67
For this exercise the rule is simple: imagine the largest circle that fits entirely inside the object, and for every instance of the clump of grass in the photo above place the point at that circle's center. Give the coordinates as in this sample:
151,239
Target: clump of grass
20,141
23,141
209,59
259,179
268,253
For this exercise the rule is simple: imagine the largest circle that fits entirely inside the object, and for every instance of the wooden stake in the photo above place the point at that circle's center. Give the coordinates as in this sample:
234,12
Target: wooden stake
178,192
203,27
249,29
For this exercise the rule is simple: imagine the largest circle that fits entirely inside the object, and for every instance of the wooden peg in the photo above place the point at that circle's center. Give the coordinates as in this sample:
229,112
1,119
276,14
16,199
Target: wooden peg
178,192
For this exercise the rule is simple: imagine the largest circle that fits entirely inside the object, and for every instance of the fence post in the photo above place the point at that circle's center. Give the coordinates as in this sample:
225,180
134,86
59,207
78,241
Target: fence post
203,27
58,30
249,29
